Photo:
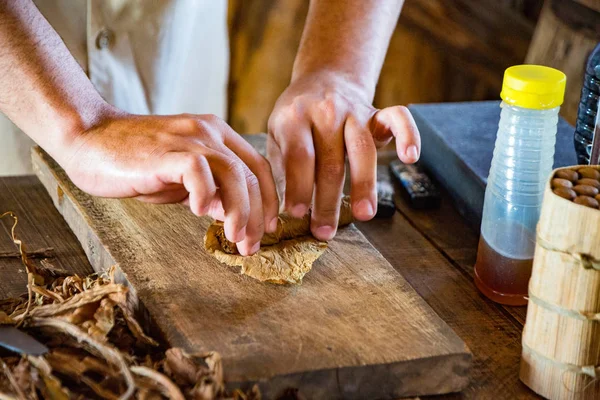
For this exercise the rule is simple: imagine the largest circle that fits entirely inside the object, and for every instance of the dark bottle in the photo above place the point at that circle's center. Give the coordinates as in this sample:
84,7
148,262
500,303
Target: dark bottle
588,108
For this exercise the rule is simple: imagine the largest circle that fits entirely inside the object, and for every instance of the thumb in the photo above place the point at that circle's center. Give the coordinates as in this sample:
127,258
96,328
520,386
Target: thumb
397,122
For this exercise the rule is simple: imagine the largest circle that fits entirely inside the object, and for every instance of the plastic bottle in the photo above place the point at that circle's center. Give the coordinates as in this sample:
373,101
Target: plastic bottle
522,162
588,108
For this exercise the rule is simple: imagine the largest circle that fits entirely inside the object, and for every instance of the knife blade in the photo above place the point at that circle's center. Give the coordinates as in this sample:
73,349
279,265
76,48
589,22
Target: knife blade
17,341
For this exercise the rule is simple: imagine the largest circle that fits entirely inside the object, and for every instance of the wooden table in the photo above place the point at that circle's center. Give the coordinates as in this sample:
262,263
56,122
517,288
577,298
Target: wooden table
434,250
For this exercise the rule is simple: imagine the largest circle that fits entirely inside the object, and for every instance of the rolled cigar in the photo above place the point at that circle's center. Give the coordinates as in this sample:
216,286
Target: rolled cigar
288,227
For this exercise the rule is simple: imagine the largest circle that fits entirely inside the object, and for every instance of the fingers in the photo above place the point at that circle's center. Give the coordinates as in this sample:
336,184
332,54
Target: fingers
362,157
262,170
298,160
246,196
329,147
200,173
397,122
225,176
193,172
252,210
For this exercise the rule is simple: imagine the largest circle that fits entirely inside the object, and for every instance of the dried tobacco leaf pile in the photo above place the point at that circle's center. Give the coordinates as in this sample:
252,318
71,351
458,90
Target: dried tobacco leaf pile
97,349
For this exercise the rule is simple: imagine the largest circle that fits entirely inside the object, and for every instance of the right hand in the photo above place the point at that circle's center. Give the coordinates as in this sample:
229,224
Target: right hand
195,159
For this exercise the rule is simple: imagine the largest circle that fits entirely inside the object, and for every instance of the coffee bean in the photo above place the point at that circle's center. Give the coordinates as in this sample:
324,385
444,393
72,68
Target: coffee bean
586,190
568,174
560,182
586,201
589,172
565,193
589,182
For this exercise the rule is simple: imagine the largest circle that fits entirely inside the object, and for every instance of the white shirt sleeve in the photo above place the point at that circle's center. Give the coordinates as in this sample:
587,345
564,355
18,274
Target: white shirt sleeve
145,57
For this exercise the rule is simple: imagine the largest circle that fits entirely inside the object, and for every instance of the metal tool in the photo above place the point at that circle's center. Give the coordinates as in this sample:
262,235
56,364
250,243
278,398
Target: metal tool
385,193
18,341
416,186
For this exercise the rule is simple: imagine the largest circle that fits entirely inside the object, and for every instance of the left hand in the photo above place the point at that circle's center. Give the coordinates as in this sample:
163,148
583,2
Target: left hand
317,120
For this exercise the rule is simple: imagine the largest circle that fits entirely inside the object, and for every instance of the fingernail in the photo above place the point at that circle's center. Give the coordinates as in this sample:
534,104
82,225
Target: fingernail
299,210
325,232
240,235
273,225
255,248
364,208
412,152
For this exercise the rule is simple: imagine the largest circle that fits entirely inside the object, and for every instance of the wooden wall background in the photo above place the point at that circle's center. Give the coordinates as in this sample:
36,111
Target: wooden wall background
565,35
441,50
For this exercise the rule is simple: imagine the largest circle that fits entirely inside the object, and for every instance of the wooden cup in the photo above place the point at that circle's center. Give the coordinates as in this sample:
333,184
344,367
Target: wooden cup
561,339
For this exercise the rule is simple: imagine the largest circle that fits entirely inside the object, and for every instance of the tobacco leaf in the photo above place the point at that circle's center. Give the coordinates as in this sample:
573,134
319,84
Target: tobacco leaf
49,385
215,365
130,320
13,381
103,321
168,388
92,295
43,292
98,348
22,375
5,319
181,367
284,256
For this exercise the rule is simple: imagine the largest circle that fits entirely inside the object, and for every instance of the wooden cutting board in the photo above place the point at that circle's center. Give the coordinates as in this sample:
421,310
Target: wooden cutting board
354,329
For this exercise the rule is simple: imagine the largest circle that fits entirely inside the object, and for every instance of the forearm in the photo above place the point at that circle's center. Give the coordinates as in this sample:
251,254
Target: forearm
347,37
42,88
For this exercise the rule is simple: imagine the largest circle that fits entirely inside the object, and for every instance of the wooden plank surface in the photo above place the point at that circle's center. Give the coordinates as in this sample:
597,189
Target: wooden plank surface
39,227
492,335
495,364
446,230
435,251
354,329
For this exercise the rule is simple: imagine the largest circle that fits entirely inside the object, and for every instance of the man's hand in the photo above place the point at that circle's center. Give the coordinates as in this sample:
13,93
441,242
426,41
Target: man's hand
195,159
326,112
318,119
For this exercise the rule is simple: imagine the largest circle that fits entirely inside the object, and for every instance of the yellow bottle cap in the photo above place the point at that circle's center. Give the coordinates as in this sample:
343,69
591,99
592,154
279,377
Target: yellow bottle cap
533,86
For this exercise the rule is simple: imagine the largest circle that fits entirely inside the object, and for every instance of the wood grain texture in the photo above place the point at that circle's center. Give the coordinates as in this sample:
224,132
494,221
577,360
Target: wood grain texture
561,331
440,51
265,35
593,4
447,231
354,329
453,50
484,36
558,43
493,336
435,251
441,285
40,226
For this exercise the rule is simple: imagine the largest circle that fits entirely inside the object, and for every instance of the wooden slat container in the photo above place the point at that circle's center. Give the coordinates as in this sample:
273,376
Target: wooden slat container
561,339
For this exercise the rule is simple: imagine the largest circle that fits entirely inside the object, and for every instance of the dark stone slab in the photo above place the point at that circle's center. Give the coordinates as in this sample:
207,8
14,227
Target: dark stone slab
458,142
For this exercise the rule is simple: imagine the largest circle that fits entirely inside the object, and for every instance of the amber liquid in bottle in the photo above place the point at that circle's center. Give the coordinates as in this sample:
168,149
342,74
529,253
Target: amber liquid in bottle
502,279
